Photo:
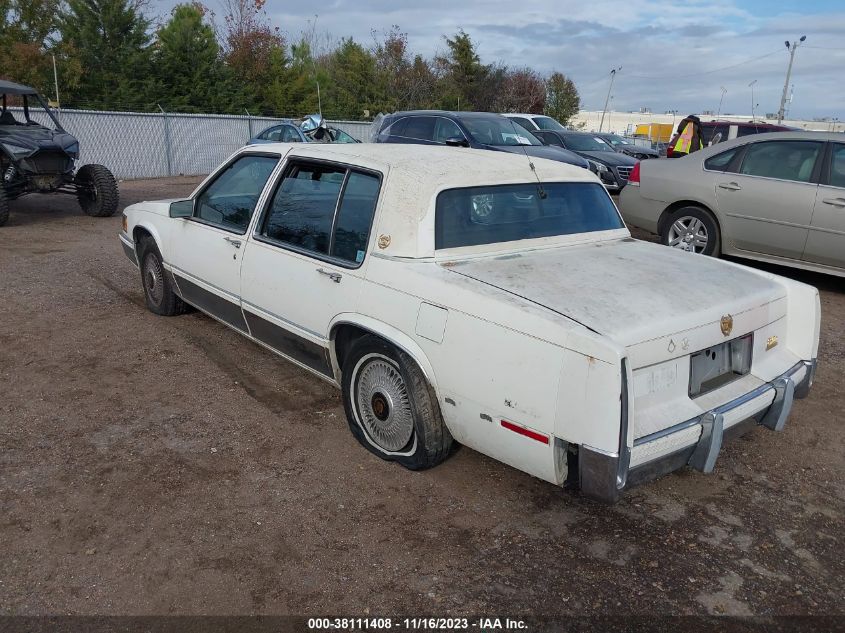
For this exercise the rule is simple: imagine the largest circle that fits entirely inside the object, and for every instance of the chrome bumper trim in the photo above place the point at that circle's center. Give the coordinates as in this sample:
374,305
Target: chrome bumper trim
603,476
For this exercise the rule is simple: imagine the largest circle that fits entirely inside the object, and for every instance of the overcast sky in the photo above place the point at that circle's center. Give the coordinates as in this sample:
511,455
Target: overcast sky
668,51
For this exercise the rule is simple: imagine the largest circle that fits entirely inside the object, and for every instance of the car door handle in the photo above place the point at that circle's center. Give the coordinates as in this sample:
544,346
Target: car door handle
730,186
836,202
335,277
233,242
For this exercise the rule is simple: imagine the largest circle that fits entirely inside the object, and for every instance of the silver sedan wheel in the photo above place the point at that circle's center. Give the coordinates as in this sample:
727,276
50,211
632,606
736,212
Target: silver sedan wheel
688,234
382,402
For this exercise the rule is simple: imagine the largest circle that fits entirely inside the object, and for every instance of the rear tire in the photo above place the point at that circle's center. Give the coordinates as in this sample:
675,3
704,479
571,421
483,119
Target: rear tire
390,407
4,207
692,229
158,289
96,191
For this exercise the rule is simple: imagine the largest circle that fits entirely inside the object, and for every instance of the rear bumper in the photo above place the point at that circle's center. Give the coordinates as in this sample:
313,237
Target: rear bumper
638,210
695,442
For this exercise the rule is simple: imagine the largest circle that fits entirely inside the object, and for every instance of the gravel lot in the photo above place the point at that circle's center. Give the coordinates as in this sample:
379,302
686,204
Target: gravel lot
162,466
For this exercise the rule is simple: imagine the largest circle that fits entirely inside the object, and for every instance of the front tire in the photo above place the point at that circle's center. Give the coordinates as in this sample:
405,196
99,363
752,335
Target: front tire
158,289
692,229
390,407
96,191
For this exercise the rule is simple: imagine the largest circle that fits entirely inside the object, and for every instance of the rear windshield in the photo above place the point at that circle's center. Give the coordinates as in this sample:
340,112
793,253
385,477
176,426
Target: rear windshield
505,213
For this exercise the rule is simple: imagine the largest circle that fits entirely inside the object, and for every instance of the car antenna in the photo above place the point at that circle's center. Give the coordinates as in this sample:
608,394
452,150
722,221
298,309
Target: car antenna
540,191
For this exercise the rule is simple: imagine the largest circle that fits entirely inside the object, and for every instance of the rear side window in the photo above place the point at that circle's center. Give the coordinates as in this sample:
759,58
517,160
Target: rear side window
323,209
720,162
354,217
837,166
303,207
505,213
783,160
271,135
420,128
230,199
397,128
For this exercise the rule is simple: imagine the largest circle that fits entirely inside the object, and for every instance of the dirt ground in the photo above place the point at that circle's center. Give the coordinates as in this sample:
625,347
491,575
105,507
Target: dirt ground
169,466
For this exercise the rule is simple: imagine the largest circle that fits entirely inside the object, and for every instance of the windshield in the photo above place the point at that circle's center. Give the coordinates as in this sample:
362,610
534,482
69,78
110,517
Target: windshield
586,143
505,213
498,131
547,123
22,111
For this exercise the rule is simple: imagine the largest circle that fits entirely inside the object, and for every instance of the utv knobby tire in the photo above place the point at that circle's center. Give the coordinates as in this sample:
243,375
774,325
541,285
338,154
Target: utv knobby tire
4,207
158,289
96,191
430,442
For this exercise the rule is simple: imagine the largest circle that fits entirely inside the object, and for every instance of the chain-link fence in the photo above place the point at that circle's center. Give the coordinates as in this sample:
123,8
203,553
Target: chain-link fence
137,145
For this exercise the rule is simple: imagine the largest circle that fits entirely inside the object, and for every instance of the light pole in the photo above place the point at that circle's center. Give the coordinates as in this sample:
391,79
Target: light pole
722,98
791,48
607,100
751,85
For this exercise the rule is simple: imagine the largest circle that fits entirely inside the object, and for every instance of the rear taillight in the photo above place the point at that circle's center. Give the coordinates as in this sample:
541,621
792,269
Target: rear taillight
634,177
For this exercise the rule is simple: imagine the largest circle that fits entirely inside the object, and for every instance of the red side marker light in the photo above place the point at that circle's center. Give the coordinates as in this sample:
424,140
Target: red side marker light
510,426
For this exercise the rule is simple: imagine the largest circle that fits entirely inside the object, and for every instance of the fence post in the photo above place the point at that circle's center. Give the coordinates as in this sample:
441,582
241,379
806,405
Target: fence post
248,122
167,140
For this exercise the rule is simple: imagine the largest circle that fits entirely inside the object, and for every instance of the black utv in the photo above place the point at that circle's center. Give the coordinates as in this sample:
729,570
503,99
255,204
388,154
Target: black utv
38,156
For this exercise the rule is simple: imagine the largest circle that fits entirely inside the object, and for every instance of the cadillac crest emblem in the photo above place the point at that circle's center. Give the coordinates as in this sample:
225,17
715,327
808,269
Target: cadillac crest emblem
727,324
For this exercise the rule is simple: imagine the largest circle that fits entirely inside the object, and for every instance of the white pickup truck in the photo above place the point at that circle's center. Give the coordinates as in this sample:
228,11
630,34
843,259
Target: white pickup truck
484,298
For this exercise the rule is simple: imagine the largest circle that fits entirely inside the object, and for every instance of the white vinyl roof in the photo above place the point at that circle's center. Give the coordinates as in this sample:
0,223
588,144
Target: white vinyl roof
415,174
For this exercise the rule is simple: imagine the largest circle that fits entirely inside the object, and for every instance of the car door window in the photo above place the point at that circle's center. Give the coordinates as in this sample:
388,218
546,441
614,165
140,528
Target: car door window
355,217
836,178
303,207
323,209
549,138
444,129
230,199
783,160
290,135
420,128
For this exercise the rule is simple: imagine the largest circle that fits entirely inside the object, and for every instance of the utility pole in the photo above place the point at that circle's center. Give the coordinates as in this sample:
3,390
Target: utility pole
791,48
751,85
607,100
56,82
722,98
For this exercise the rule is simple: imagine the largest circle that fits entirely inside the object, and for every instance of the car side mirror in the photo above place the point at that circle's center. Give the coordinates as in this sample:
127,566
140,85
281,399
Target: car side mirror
182,209
457,141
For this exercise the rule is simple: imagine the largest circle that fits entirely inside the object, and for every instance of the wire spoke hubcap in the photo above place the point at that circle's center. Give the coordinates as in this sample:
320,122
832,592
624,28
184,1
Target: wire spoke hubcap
152,280
382,401
688,234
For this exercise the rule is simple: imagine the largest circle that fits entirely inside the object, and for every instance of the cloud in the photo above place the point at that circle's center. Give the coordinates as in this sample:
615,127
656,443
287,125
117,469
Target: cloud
668,50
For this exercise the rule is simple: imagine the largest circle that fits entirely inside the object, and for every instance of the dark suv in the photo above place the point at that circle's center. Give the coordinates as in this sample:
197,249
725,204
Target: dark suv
38,156
713,132
479,130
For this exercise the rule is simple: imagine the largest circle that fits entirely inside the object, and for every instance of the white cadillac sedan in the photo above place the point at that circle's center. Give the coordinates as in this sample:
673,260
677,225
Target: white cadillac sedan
482,298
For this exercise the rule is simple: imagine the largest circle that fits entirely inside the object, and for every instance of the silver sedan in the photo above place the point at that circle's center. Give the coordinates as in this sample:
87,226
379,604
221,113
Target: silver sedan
776,197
